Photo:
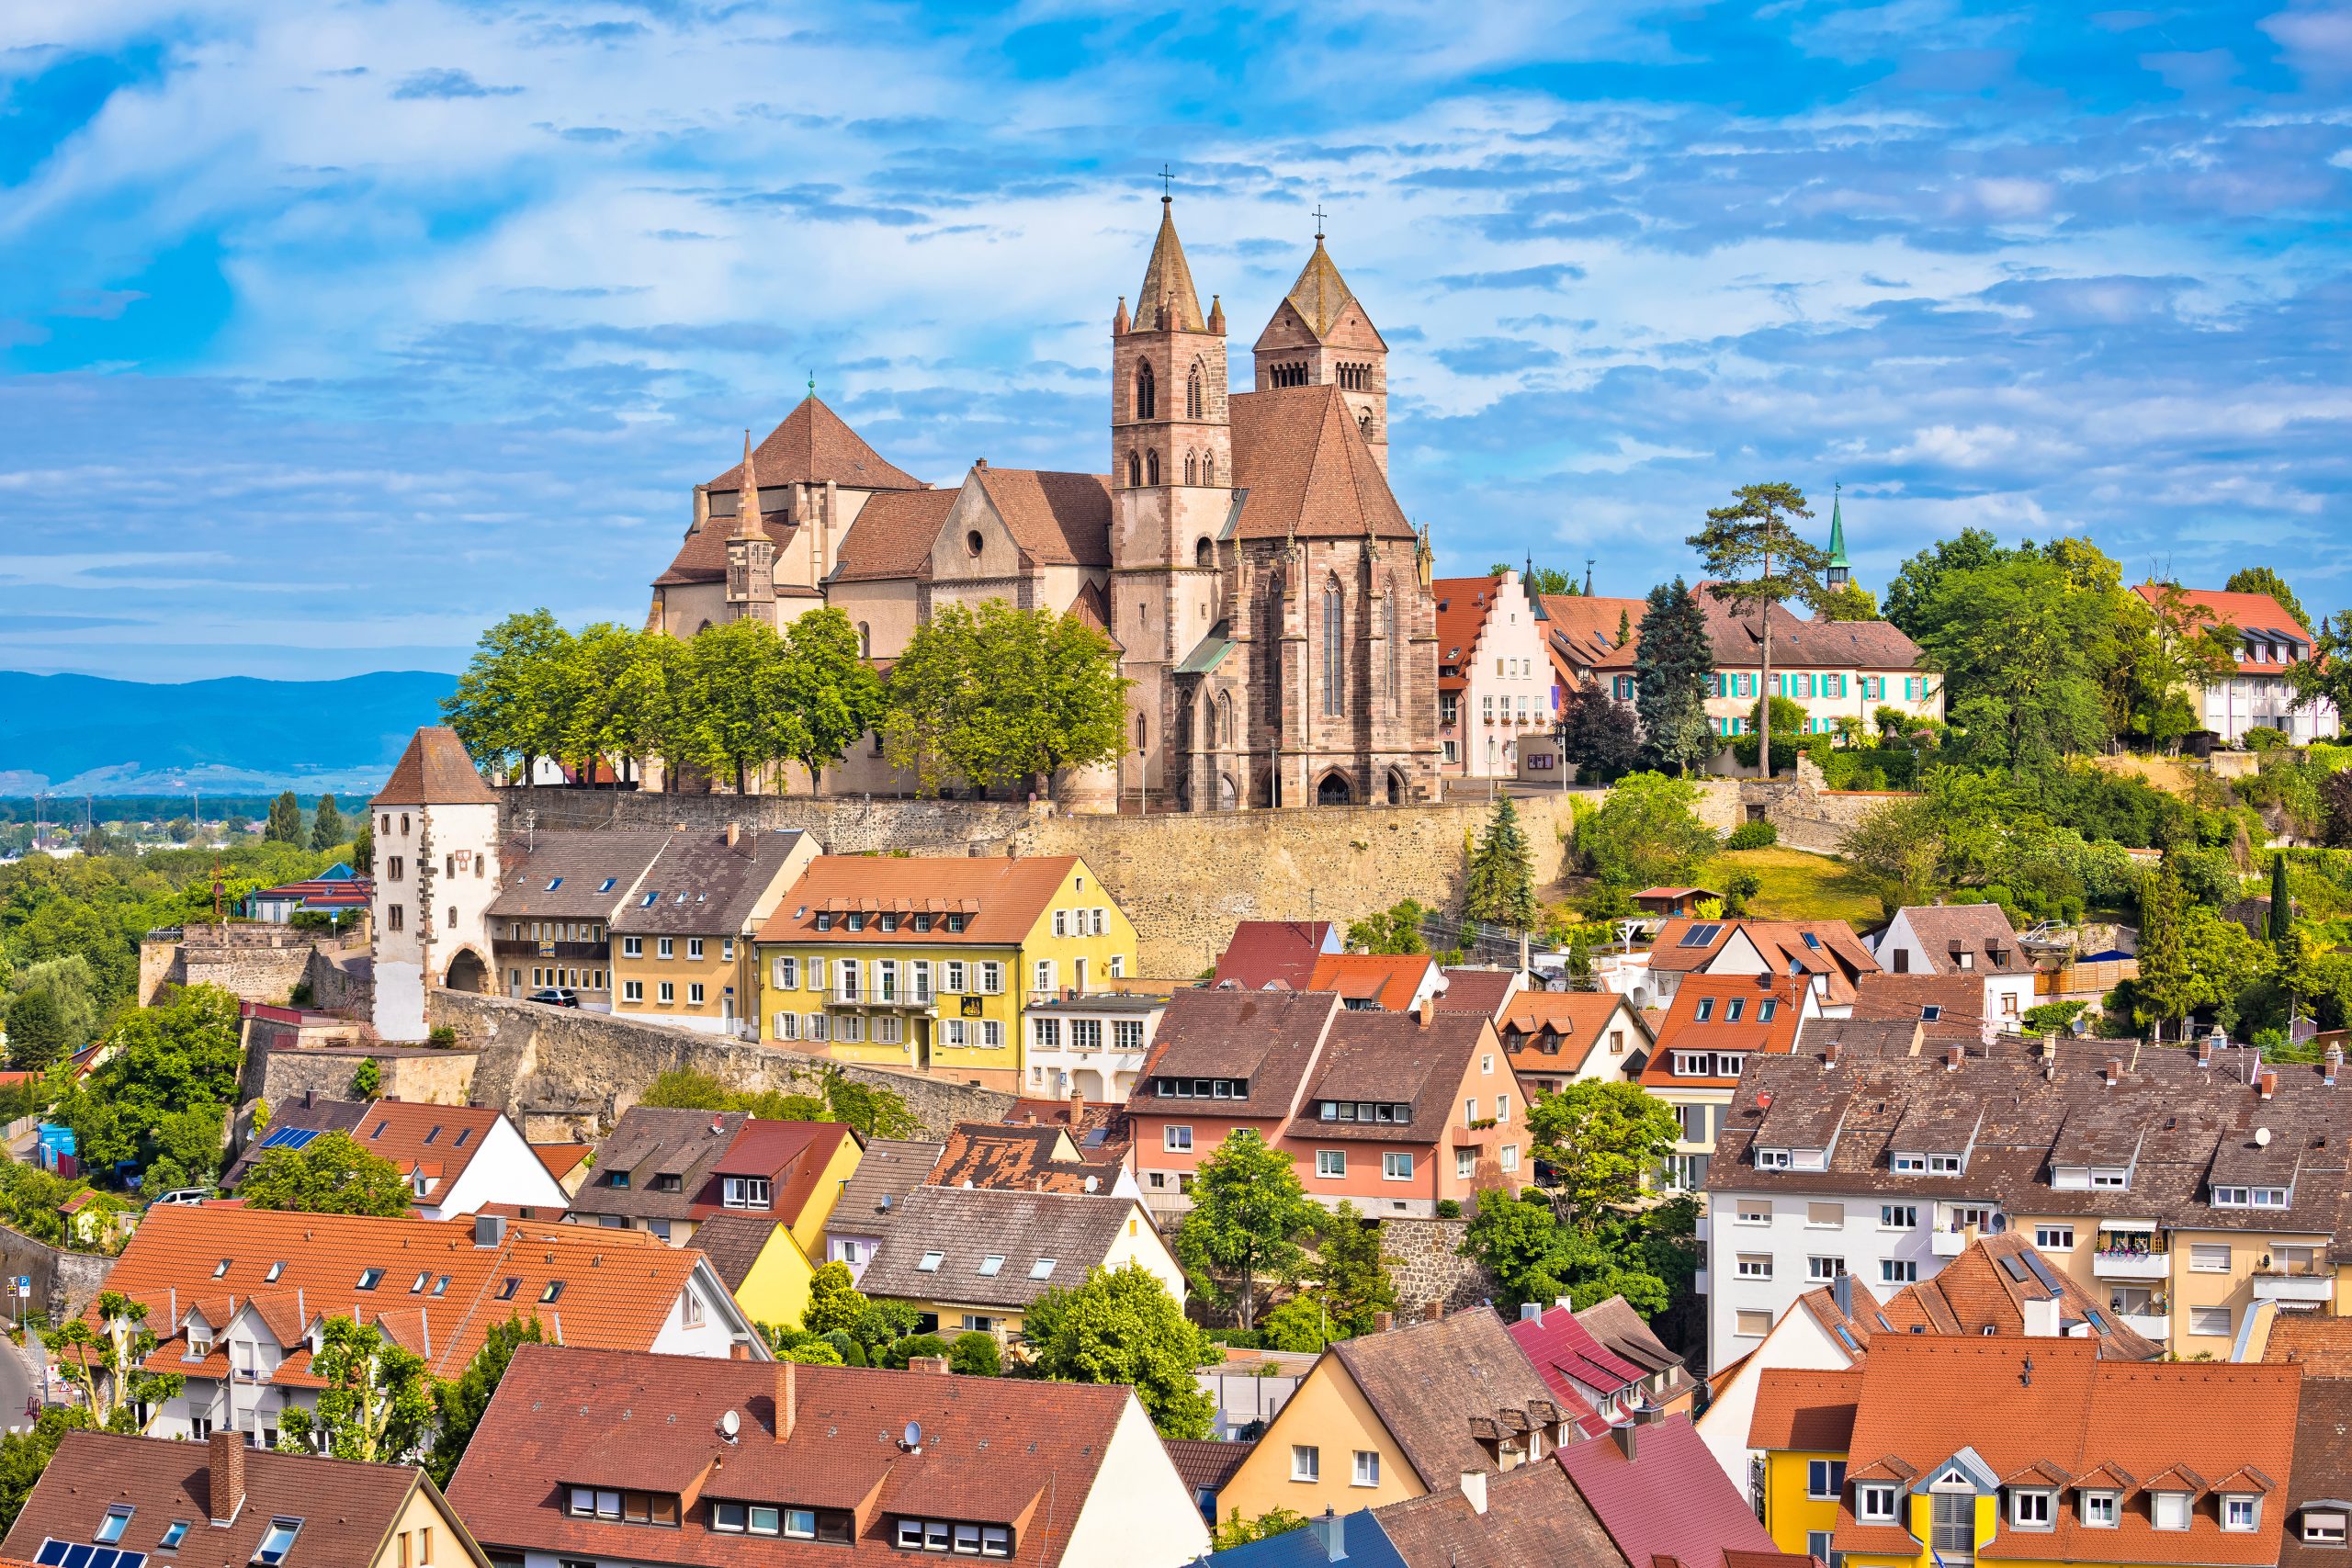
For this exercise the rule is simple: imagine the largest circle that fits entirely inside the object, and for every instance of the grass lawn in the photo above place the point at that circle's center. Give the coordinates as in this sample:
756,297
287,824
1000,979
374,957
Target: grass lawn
1801,886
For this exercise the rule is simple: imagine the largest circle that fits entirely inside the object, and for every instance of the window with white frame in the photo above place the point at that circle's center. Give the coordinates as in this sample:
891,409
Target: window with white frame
991,1033
632,947
2169,1511
1367,1468
2324,1527
2241,1512
785,972
2213,1320
991,975
1044,981
951,978
2054,1238
1331,1162
2209,1258
694,992
850,1027
693,947
787,1026
816,974
1397,1166
632,990
665,947
1876,1501
1176,1140
1755,1212
2098,1510
1898,1217
1465,1164
2030,1508
818,1026
669,992
1755,1265
1821,1270
1507,1156
1898,1271
1306,1462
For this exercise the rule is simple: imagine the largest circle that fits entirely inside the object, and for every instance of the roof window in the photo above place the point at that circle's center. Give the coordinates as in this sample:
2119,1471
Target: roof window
606,885
507,1287
223,1267
110,1529
991,1265
274,1270
554,882
277,1541
434,1134
1706,1009
824,921
552,1290
175,1533
1043,1269
463,1134
651,897
378,1132
930,1262
368,1279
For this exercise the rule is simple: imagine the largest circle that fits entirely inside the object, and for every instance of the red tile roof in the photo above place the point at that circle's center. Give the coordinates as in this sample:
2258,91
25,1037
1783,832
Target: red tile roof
1804,1410
1056,519
812,444
2249,615
892,534
1390,979
1262,952
443,1139
1751,1031
1476,991
1575,1019
793,1157
434,771
1567,1355
1461,606
1669,1499
1305,471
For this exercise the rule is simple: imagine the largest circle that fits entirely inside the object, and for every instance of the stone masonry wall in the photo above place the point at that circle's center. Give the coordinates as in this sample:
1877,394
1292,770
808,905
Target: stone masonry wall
64,1282
425,1076
1809,816
559,1064
1428,1269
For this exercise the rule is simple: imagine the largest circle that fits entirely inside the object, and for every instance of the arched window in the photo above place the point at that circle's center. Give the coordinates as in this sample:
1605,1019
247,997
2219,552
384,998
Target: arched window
1203,553
1192,468
1151,468
864,641
1135,470
1195,399
1141,734
1145,401
1388,634
1363,424
1225,718
1334,623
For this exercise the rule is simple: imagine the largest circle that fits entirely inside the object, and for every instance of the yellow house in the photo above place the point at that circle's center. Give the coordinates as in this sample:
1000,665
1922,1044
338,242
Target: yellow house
2195,1290
1397,1414
682,943
2034,1451
764,1264
973,1259
929,964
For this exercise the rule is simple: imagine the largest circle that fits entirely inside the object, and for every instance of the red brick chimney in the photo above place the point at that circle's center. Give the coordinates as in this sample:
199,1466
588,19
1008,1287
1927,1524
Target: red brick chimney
937,1364
787,1398
227,1459
1077,1111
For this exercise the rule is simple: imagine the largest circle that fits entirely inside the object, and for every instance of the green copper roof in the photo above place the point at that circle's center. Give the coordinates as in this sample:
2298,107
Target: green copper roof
1211,651
1838,531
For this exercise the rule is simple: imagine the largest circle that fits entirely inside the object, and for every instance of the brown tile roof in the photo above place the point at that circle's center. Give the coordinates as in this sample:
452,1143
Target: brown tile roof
1558,1031
1673,951
699,885
2056,1403
1906,999
702,554
892,536
1388,979
1266,951
1395,1058
2320,1344
813,444
653,1141
1100,1129
1533,1515
1306,471
1945,929
968,1226
1008,1452
1617,1326
1985,1290
617,1286
733,1242
2323,1456
1266,1039
1167,277
1321,299
347,1509
1013,1158
434,771
1751,997
1463,604
1204,1463
1583,630
1056,519
1809,1411
1001,897
1799,644
1430,1382
583,860
889,1168
1476,991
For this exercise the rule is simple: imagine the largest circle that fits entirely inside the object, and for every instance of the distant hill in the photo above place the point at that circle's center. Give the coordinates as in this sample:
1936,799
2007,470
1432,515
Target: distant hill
79,735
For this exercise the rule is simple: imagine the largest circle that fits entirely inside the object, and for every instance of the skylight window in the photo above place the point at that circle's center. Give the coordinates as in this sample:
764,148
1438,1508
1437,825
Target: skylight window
553,1290
433,1134
554,882
463,1134
1930,1013
368,1279
1812,940
991,1265
606,885
930,1262
507,1287
1043,1269
277,1541
110,1529
176,1533
274,1270
223,1267
650,899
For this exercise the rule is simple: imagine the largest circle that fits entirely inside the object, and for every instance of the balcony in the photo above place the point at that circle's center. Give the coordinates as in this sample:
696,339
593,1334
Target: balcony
2296,1284
1948,1243
2130,1263
2155,1325
577,951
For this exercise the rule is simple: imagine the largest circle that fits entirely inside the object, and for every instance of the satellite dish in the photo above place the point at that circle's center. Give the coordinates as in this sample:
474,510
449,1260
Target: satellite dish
911,1439
2262,1137
1997,1223
729,1424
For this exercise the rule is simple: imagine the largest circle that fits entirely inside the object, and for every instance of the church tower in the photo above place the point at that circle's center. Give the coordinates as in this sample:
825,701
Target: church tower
1320,336
751,554
1172,479
1841,570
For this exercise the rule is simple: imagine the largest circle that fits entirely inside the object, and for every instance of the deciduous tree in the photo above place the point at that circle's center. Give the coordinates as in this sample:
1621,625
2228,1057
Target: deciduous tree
734,717
1392,930
1004,696
377,1406
1759,562
1606,1139
1596,733
331,1174
1122,1327
830,693
833,1299
1647,832
2262,579
1247,1215
458,1406
507,706
105,1365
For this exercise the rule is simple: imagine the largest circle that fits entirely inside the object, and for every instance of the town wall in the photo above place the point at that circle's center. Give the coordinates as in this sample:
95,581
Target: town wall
341,982
1426,1265
64,1282
425,1075
1809,816
552,1068
258,961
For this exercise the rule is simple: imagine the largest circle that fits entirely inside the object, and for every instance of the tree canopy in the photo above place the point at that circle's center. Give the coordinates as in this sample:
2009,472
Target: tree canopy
377,1406
1646,834
1607,1140
1121,1327
1759,562
1674,666
331,1174
1499,885
460,1406
1003,696
1243,1231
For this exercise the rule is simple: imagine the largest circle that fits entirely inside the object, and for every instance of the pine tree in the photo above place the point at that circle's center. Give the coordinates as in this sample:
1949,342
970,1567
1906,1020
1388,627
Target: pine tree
1500,887
1753,536
284,821
2280,927
326,825
1673,671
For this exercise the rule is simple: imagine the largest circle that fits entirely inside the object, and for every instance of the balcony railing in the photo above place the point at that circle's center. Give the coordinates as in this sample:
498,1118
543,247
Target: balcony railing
894,995
2299,1281
2130,1263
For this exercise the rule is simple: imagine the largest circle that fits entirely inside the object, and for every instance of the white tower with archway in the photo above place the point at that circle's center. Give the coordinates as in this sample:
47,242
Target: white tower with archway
436,871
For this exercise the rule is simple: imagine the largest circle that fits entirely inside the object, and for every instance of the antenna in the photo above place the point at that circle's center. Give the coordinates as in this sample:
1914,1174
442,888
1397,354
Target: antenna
728,1424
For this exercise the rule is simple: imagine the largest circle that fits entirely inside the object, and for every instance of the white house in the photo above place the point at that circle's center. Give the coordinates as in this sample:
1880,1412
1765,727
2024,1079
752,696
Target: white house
436,858
1962,939
2271,642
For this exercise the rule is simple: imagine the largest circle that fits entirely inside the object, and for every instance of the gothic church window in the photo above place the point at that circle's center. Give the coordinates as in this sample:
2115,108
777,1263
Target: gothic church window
1144,399
1225,718
1334,621
1203,553
1135,470
1192,468
1388,634
1195,399
1151,468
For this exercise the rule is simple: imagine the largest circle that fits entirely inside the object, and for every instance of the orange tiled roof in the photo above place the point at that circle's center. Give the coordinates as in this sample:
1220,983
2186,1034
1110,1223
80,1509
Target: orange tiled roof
2250,615
443,1139
1804,1410
1002,900
1577,1018
1749,995
1388,979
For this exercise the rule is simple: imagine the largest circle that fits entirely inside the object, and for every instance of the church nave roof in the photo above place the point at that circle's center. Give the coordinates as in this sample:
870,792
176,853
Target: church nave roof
1298,454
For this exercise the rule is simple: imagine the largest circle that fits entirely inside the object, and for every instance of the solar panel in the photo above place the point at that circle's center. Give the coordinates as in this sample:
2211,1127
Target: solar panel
2014,1269
289,1137
1700,936
55,1553
2041,1272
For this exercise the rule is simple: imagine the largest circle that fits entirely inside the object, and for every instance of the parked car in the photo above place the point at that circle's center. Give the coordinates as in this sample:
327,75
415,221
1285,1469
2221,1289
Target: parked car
183,1195
557,996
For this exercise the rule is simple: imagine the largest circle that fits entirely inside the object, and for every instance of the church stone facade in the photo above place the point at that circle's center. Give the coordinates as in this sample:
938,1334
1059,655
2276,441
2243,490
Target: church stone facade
1271,602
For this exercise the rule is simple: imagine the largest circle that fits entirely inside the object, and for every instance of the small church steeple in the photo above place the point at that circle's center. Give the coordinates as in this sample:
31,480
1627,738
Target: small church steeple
1167,301
1321,336
751,554
1840,572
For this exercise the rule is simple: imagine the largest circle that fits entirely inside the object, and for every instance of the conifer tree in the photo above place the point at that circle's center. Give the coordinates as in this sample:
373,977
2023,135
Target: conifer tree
326,825
1500,887
284,821
1673,668
2280,928
1760,559
2161,991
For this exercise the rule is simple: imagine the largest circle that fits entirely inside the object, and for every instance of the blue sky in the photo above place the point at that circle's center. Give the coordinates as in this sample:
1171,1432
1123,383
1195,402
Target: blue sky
330,331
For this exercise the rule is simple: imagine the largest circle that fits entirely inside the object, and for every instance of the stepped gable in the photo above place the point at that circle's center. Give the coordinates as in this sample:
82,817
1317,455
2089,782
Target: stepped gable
1307,470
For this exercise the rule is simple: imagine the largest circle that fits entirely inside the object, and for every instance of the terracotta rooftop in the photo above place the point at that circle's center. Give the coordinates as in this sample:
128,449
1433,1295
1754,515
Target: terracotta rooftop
1805,1410
1437,1386
1946,930
1477,990
2322,1471
1558,1031
733,1243
998,900
1582,1372
2320,1344
1533,1515
811,446
1264,952
434,771
1205,1463
1323,307
1263,1041
571,874
892,534
1582,630
1756,1015
2250,616
1056,519
1392,1059
1387,980
1303,469
1463,604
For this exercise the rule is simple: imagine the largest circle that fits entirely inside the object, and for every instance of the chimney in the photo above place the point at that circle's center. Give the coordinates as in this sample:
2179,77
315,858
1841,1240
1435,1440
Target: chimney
2114,1073
1830,1054
787,1398
1626,1432
935,1364
1841,1291
1953,1055
1333,1530
2050,1047
1077,1111
2205,1051
734,834
2331,1064
2041,1318
1426,1010
490,1230
1382,1322
1474,1487
227,1448
2269,1081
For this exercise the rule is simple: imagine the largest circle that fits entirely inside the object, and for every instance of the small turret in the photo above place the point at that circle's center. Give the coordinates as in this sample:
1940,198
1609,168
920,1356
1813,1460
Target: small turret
1216,314
1119,322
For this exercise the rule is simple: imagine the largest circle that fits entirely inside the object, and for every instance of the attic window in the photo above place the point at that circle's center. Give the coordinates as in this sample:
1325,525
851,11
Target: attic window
222,1268
368,1279
887,923
991,1265
554,882
650,898
955,922
1931,1012
824,921
853,921
1812,940
922,922
1043,1269
1735,1010
434,1134
378,1132
1706,1009
930,1262
1766,1008
274,1270
507,1287
554,1288
418,1289
463,1134
277,1541
110,1529
606,885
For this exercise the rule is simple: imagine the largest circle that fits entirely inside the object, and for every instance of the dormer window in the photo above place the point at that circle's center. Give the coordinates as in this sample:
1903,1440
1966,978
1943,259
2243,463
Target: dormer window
824,921
1964,960
2111,1176
1772,1159
2324,1527
2251,1197
854,921
1875,1502
2030,1508
2168,1510
2100,1509
2241,1512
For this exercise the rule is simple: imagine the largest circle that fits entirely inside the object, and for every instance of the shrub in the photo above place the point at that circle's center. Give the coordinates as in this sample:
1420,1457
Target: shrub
442,1035
1449,1208
852,1354
1757,835
2264,737
913,1345
976,1355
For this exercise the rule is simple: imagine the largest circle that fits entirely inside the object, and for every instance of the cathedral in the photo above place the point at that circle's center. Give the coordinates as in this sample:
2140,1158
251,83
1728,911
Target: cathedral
1270,602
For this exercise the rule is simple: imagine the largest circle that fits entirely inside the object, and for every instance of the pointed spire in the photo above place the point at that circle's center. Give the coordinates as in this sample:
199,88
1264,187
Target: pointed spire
1119,322
1166,300
1320,293
1216,314
748,515
1837,526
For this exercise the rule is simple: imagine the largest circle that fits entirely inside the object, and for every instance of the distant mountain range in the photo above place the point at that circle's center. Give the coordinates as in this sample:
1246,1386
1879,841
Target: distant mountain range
79,735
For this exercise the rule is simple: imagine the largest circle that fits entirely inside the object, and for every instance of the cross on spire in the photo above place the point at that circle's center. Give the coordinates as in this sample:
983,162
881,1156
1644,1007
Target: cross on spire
812,383
1319,215
1166,175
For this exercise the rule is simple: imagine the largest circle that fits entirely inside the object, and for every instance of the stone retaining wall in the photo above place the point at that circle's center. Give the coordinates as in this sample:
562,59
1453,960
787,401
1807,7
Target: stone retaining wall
1809,816
1428,1269
64,1282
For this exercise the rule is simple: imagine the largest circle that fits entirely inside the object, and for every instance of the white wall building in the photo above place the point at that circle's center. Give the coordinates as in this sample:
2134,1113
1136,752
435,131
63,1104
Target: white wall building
1962,939
1495,683
437,859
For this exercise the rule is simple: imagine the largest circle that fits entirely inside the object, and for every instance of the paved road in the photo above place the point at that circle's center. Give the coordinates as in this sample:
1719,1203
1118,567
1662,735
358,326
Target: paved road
16,1384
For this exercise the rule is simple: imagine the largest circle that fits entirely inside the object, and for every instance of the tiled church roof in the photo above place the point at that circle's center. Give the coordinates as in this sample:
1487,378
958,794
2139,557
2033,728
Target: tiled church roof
1169,276
814,444
434,771
892,534
1298,454
1058,519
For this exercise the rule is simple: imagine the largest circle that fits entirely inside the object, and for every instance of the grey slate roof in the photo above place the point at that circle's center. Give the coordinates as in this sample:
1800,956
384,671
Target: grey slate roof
734,1242
649,1141
969,1226
702,885
1440,1386
889,1168
584,862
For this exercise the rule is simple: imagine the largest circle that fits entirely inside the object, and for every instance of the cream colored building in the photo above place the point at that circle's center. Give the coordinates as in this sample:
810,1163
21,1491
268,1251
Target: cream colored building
1494,677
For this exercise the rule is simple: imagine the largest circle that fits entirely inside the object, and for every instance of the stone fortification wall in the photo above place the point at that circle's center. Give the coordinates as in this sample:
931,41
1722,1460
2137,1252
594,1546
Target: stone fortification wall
421,1074
258,961
545,1065
1428,1269
64,1282
341,982
1809,816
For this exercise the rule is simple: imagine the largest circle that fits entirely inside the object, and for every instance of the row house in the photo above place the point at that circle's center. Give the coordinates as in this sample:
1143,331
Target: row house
1967,941
550,925
1091,1046
607,1459
457,1160
875,1196
668,1172
1718,1022
1999,1285
931,964
2051,1454
239,1297
2191,1192
1493,676
1394,1112
2269,643
685,938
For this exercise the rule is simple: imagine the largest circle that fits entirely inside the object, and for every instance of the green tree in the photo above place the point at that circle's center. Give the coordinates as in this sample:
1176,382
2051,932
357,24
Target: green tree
1239,1531
363,847
167,1060
2024,652
1122,1327
366,1079
880,1324
1915,583
1848,601
975,1355
2281,925
833,1299
187,1149
1391,930
1499,886
331,1174
2162,992
1350,1274
810,1352
377,1406
617,697
1299,1324
874,1112
107,1365
1596,733
2262,579
734,719
831,693
36,1037
507,707
1646,834
1606,1138
284,821
2174,649
327,828
1003,695
1248,1213
1674,668
24,1454
1760,562
1534,1257
71,987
